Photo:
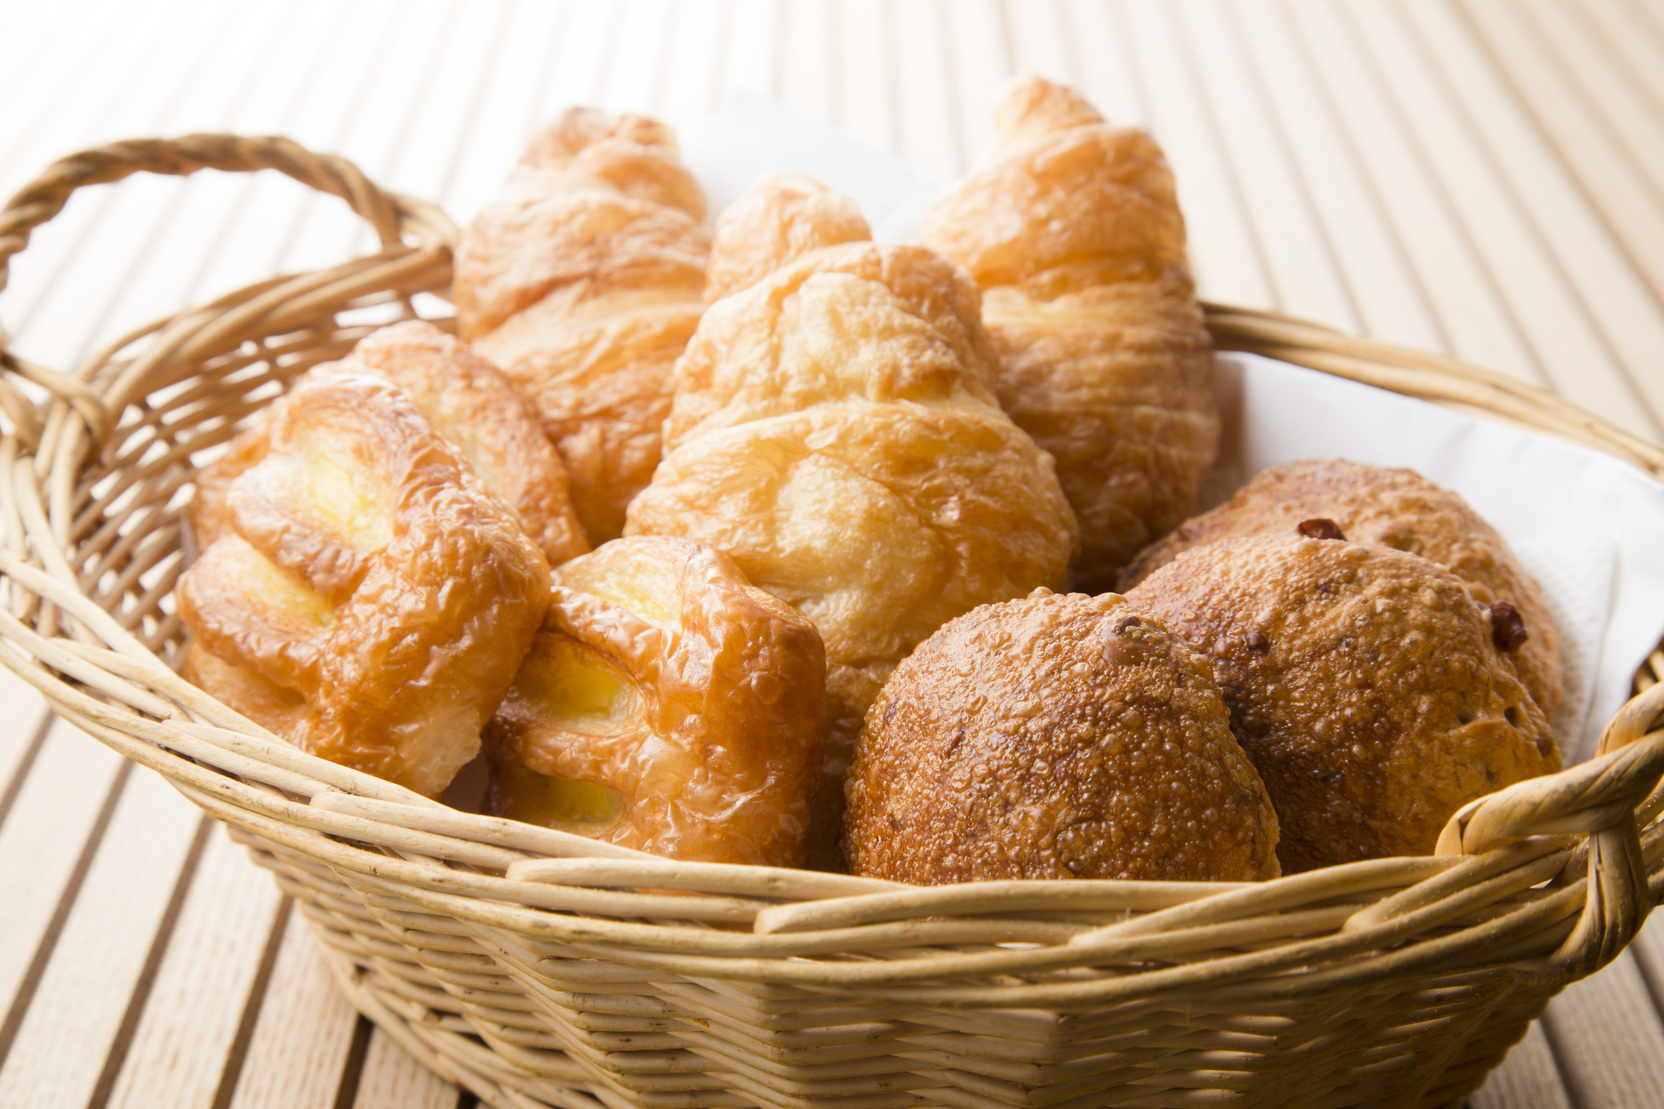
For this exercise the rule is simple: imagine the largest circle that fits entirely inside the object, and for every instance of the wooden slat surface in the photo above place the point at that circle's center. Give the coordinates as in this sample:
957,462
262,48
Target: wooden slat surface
1483,177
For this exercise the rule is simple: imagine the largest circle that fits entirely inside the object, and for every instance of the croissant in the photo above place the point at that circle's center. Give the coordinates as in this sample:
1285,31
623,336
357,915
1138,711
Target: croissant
1074,234
583,282
666,705
835,432
363,596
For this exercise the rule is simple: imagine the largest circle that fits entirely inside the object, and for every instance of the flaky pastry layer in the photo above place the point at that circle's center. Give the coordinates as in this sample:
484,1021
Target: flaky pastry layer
1075,234
666,705
583,282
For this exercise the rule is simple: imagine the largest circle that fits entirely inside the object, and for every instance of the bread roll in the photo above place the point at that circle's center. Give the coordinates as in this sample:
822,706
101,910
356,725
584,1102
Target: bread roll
1365,684
1393,508
1055,737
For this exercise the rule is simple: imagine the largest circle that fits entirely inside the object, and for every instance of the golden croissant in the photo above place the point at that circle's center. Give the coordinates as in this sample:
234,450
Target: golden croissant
1074,234
583,282
835,432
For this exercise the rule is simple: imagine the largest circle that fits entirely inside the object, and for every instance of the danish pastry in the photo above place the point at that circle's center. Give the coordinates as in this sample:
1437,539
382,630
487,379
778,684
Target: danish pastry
1075,235
583,283
835,432
480,413
467,401
363,596
666,705
1366,684
1055,737
1393,508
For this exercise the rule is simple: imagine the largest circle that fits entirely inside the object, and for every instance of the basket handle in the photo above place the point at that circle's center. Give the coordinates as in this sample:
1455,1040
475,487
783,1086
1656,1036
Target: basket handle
1611,798
392,215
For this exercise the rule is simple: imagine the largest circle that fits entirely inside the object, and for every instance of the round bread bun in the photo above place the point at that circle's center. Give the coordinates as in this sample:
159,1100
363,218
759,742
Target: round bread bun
1056,736
1365,683
1394,508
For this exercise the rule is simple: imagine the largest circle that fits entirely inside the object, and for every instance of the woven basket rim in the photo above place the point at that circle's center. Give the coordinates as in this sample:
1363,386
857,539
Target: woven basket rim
1600,817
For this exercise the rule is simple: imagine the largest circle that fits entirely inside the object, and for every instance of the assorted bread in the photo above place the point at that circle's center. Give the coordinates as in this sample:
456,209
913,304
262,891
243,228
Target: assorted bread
853,481
835,432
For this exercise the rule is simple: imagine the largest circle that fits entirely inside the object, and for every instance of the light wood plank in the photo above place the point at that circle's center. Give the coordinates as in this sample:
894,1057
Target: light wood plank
179,1047
1039,43
1299,265
391,1079
927,118
1611,263
1344,64
1543,304
21,739
46,117
1640,41
258,224
300,1042
866,56
172,234
38,36
59,1052
57,276
981,62
577,72
1527,1078
1390,302
446,108
509,108
1222,249
693,71
637,50
751,46
1597,64
43,838
1584,308
809,59
1104,72
1608,1039
383,125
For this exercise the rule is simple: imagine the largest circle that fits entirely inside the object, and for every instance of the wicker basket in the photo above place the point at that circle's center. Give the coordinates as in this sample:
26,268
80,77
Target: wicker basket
541,969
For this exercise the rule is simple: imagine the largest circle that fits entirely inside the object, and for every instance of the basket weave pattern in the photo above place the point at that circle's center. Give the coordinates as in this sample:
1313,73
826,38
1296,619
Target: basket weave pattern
541,969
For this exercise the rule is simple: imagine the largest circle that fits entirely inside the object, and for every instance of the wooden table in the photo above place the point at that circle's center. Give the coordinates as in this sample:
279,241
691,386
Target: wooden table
1484,177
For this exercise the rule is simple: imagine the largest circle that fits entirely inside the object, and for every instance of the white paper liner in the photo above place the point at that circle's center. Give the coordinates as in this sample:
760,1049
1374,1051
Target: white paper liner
1589,527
